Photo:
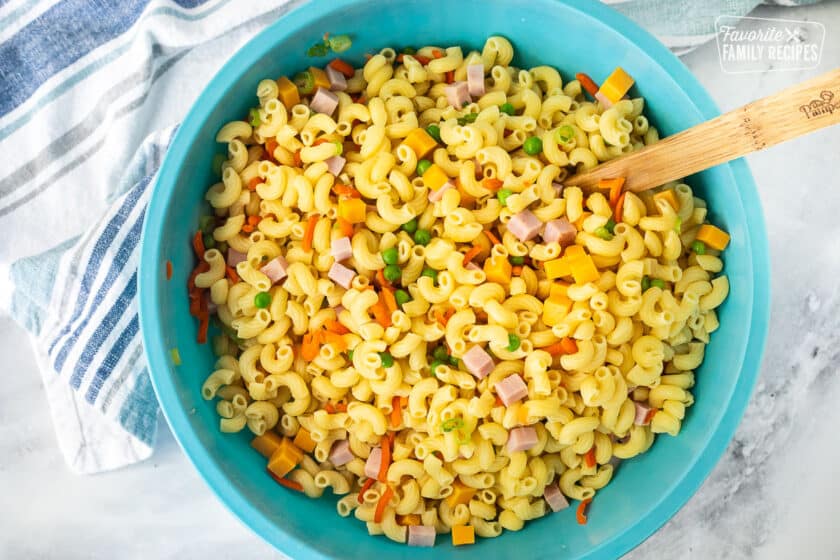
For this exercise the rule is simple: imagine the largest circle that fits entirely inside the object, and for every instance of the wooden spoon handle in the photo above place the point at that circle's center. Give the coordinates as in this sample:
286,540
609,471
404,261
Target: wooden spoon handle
798,110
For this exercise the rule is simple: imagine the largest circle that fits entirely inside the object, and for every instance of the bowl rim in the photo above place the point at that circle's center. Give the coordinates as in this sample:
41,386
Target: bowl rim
151,270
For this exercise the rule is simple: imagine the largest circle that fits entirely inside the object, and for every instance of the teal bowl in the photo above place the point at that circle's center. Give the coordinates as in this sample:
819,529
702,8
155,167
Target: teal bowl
573,36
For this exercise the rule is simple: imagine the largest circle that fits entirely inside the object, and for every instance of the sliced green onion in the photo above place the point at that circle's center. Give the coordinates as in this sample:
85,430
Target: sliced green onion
645,283
564,134
433,366
409,50
610,225
305,82
678,225
222,247
207,223
698,247
657,283
454,362
339,148
440,354
503,195
387,359
318,49
513,342
350,355
452,424
340,43
255,117
603,233
468,118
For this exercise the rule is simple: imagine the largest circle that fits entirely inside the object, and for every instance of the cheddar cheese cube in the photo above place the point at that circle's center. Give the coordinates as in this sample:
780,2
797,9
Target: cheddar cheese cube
420,142
713,237
557,268
463,534
616,85
319,78
267,443
497,269
353,210
669,196
435,177
303,439
287,92
461,494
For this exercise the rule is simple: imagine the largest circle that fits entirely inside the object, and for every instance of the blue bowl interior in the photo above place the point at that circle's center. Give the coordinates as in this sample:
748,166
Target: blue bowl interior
647,490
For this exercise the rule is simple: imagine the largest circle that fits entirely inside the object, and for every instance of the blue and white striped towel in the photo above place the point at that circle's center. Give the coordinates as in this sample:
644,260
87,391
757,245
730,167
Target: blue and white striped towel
82,84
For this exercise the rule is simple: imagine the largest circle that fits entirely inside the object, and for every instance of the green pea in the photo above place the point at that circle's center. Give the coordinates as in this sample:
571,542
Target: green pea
645,283
402,297
454,362
440,354
434,132
422,236
430,272
532,146
390,255
603,233
387,359
657,283
433,366
222,247
255,117
207,224
610,225
262,300
503,195
698,247
517,261
209,242
423,165
468,118
410,226
507,108
392,273
513,342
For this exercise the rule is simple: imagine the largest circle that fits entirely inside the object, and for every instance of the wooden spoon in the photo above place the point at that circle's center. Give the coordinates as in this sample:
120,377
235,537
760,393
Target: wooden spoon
798,110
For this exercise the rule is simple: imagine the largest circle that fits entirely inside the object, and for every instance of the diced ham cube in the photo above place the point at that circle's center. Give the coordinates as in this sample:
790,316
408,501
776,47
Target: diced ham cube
511,389
642,412
475,79
558,188
458,94
524,225
340,453
374,461
421,535
522,439
555,498
478,362
437,195
324,101
341,275
234,257
335,164
276,269
340,249
338,82
560,231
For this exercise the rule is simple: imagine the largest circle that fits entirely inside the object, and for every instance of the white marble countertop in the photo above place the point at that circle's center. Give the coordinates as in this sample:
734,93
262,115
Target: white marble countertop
774,495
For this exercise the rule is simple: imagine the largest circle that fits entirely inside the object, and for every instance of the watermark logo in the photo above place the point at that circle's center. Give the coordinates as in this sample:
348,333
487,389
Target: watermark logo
751,44
825,105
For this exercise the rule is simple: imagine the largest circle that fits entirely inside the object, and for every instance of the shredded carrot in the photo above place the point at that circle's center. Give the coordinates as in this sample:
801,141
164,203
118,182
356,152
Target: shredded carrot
252,184
198,245
422,59
248,228
450,77
169,270
383,503
346,190
493,239
516,270
581,511
270,146
380,278
380,313
388,298
336,327
649,416
588,84
298,161
309,233
569,345
396,413
195,303
321,140
309,347
329,408
440,317
619,208
400,58
254,220
343,67
589,458
499,401
232,275
341,407
614,186
203,325
335,339
492,184
285,482
345,227
437,53
365,487
471,254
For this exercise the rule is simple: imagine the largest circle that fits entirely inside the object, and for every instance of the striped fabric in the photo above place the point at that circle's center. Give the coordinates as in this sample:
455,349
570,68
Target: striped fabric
90,93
